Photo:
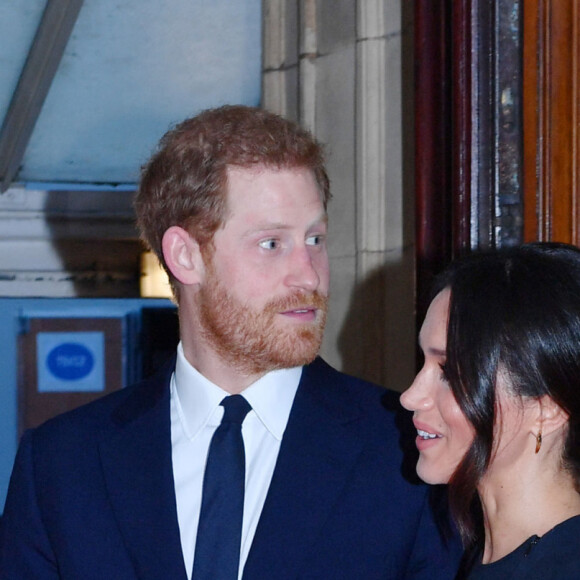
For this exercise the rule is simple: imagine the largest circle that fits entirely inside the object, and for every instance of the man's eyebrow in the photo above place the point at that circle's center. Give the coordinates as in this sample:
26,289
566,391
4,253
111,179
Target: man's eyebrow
264,226
270,226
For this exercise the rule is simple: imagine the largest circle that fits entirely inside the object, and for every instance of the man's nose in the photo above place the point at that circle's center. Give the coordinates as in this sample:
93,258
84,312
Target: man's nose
302,271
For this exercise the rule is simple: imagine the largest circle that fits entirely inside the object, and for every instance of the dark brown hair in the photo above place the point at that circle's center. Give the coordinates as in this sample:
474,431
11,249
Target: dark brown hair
185,182
516,311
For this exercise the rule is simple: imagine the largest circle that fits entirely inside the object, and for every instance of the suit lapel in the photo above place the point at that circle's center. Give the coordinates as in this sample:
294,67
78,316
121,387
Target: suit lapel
319,449
138,472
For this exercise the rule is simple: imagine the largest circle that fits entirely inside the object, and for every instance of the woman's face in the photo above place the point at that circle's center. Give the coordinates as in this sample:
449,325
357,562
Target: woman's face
443,433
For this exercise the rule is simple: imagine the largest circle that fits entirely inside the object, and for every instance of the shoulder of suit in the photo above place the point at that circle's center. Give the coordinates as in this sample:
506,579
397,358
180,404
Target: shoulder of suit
351,390
115,407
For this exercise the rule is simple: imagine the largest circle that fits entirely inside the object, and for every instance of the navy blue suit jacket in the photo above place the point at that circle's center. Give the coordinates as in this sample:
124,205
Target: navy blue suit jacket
92,495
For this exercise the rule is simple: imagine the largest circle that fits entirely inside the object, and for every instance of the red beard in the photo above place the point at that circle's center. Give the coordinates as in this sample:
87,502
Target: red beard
252,341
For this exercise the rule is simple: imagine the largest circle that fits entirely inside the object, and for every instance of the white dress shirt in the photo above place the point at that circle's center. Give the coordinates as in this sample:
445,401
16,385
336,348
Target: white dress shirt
196,414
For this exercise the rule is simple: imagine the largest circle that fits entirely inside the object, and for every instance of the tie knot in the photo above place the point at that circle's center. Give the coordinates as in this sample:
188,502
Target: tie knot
235,409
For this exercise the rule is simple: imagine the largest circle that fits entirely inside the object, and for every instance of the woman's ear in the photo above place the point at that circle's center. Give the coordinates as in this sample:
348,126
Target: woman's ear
551,416
182,256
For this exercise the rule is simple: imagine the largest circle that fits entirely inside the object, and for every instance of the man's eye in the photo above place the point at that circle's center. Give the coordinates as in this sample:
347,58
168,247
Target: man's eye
315,240
269,244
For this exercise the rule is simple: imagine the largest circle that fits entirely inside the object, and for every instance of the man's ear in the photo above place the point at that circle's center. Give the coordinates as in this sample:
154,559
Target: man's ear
182,256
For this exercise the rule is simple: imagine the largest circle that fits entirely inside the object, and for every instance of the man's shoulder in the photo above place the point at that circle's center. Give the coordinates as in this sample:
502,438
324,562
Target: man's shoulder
348,397
339,383
109,411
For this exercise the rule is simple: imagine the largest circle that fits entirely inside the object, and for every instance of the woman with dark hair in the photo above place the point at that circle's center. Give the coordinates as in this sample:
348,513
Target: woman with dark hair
497,408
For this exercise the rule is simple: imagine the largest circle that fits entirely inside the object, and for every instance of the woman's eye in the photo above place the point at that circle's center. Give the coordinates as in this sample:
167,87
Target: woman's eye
269,244
444,377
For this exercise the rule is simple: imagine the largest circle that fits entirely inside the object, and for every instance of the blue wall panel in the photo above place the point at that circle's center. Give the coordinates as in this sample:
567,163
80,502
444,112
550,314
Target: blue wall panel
15,310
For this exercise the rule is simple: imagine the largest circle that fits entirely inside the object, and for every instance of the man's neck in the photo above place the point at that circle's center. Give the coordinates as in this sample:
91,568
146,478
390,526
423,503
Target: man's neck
224,374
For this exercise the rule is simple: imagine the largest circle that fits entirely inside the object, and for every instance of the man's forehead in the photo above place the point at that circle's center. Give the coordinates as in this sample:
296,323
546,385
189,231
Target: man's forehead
253,172
257,169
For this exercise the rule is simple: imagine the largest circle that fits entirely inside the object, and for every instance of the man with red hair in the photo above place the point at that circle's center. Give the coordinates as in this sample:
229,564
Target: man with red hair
234,205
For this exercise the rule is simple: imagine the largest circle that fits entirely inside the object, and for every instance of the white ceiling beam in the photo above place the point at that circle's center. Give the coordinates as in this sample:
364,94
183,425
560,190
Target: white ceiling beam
52,35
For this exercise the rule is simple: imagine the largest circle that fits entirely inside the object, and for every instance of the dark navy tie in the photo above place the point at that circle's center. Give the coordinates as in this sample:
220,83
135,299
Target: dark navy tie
219,533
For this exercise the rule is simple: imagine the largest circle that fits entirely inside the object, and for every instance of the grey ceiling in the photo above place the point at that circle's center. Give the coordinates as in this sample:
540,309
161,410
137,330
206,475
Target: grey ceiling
130,69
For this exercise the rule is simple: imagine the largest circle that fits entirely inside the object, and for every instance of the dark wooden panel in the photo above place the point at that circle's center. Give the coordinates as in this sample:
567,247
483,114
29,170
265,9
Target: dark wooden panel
552,120
462,116
432,143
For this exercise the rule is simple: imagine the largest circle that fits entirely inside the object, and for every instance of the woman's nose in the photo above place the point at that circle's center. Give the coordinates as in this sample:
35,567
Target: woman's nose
417,395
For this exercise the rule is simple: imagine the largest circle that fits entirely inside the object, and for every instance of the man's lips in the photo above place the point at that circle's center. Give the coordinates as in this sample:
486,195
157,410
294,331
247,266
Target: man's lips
302,307
302,313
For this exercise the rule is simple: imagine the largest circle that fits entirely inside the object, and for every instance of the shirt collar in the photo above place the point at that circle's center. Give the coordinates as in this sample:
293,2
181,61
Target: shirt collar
271,396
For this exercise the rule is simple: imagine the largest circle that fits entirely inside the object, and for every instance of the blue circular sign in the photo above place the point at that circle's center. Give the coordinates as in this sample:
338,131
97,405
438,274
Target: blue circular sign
70,361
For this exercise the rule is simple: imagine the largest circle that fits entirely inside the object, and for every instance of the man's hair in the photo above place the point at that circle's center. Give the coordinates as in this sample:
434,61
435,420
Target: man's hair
514,312
185,182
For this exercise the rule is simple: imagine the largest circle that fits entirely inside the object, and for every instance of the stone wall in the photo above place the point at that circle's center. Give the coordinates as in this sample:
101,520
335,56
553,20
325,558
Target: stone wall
343,69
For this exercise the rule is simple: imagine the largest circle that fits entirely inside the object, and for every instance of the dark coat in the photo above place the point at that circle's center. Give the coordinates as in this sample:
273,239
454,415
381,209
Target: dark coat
92,493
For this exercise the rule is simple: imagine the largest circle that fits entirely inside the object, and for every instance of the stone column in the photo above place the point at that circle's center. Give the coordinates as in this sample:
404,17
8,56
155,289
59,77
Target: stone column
336,66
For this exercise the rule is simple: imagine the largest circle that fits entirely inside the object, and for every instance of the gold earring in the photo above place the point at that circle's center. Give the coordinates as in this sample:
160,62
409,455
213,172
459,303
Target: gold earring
538,441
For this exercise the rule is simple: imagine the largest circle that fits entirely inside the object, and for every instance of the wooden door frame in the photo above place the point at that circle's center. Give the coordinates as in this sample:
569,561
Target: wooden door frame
468,116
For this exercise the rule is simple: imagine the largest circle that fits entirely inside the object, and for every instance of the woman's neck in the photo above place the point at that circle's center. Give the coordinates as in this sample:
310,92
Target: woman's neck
516,508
